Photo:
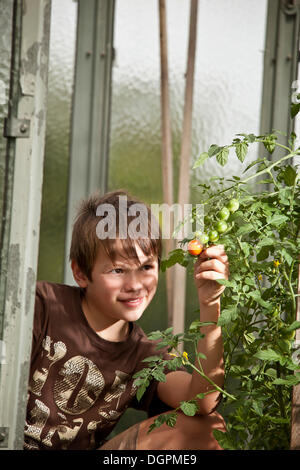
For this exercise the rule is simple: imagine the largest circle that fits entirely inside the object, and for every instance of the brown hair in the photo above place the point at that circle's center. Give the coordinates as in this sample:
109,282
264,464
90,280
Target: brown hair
85,241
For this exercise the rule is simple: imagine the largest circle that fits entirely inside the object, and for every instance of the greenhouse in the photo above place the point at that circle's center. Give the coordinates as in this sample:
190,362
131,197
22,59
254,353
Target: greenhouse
181,115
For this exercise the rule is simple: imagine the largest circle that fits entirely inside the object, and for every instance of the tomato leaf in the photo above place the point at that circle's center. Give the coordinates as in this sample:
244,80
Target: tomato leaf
256,295
189,408
171,419
200,160
226,283
244,229
140,392
289,175
295,108
288,380
222,156
293,326
213,150
268,355
277,219
241,150
227,316
152,358
263,253
175,256
287,256
159,375
224,439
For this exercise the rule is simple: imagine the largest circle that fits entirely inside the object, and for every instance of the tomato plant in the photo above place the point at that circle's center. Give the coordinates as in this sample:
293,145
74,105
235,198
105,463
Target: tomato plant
258,306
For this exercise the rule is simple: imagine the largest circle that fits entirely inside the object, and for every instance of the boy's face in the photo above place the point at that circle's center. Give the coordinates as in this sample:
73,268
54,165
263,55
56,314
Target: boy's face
120,290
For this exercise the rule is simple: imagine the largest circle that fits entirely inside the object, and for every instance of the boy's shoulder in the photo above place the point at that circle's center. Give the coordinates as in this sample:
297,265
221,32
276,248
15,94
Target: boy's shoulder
55,292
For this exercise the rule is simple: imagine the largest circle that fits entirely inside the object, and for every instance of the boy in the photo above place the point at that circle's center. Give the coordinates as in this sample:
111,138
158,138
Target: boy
87,347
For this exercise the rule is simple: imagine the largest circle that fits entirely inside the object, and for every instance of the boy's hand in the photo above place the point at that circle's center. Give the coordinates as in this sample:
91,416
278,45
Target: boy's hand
212,264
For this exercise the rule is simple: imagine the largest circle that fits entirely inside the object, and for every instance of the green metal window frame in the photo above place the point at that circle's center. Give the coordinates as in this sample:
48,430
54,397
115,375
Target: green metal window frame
280,65
89,146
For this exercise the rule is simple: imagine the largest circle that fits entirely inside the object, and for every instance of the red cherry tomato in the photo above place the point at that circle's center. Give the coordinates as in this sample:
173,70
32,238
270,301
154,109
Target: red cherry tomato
195,247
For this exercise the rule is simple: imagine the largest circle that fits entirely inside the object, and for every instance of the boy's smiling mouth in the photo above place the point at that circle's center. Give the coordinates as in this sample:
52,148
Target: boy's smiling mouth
132,301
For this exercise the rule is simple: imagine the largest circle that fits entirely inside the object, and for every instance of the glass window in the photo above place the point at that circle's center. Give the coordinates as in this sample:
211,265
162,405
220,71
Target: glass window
56,168
227,95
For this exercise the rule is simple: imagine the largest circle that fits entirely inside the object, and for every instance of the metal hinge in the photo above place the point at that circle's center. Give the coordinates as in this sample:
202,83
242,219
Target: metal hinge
4,437
14,127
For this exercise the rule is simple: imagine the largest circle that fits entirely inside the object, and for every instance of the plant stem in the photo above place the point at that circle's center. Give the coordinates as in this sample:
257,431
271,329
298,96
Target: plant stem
200,372
291,290
219,389
276,143
281,405
261,172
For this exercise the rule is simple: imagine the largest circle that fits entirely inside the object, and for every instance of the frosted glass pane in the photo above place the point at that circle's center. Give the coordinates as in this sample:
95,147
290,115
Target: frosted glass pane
229,76
227,93
60,83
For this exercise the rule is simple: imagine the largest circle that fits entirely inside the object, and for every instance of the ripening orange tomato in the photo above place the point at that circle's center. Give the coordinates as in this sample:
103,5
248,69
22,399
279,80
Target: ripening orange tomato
195,247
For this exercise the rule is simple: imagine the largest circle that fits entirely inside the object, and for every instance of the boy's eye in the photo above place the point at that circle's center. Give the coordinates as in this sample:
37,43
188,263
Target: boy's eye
146,267
117,271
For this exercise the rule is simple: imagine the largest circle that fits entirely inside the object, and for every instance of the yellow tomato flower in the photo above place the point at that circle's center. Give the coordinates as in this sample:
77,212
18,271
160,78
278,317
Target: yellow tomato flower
185,357
259,277
276,263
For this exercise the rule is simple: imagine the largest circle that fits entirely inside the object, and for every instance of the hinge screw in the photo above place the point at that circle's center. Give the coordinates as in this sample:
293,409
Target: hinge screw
23,128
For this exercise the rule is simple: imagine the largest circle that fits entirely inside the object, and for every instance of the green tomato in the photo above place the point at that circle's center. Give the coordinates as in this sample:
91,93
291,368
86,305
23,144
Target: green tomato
233,205
213,236
223,214
204,238
221,226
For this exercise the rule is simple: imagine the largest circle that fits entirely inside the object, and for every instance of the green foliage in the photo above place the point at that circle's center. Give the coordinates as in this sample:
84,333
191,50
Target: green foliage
258,314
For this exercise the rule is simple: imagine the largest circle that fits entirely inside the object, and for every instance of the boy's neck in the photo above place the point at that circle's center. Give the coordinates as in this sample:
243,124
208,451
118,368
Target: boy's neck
115,332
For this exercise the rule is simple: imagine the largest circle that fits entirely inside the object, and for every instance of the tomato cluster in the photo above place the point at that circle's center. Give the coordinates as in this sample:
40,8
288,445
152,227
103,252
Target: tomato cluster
196,245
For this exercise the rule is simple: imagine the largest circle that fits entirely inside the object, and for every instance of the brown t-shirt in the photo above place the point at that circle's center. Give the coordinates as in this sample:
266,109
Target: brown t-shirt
79,384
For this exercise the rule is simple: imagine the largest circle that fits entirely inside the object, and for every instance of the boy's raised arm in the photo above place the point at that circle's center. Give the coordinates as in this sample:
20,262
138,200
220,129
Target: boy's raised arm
180,386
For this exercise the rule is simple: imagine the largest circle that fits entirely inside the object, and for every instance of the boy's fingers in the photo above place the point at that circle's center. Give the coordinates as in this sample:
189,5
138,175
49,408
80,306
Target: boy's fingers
213,251
213,259
210,275
212,265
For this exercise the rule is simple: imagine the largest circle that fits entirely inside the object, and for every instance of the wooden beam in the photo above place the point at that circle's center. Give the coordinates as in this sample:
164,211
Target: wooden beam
179,285
167,154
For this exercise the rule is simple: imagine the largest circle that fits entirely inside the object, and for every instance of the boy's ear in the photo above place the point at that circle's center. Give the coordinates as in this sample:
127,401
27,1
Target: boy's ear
79,276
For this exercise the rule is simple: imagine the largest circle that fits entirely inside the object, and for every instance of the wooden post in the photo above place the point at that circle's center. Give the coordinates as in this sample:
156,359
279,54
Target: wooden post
167,155
179,286
295,428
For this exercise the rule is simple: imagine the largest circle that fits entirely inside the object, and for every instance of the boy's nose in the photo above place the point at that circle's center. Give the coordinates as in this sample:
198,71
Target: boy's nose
132,283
